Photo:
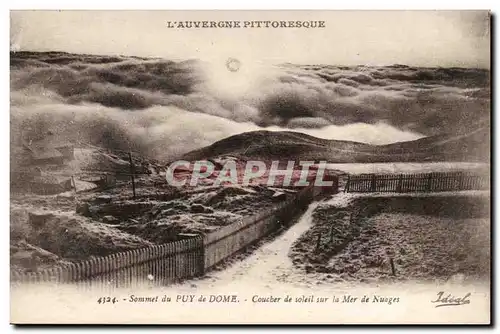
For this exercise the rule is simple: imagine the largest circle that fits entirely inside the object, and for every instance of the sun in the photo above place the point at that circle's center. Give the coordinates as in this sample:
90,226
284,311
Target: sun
235,76
233,64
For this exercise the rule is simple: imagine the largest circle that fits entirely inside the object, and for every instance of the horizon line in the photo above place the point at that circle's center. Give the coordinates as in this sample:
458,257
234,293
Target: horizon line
151,57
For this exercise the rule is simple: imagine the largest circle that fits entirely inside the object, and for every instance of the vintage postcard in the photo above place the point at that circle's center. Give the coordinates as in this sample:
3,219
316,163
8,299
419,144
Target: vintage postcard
250,167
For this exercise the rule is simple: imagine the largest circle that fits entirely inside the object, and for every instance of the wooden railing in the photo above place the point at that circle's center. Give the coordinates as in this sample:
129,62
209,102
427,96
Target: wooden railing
428,182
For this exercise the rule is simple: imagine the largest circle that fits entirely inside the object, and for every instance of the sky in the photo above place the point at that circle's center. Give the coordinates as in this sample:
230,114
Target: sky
418,38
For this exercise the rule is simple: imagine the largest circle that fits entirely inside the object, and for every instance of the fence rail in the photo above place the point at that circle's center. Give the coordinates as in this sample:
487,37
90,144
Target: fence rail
171,262
428,182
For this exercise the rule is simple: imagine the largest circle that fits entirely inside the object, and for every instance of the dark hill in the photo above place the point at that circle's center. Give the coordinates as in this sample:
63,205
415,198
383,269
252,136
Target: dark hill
284,145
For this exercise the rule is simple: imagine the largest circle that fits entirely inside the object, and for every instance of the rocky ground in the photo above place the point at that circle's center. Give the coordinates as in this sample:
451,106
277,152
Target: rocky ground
49,229
69,226
400,238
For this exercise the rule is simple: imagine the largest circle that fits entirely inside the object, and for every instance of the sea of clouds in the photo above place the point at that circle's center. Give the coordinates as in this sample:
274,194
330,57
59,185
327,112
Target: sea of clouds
165,108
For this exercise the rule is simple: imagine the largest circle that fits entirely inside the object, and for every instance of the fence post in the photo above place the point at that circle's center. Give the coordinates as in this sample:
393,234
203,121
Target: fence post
74,183
318,241
461,181
374,183
393,267
132,172
346,188
429,182
400,184
200,251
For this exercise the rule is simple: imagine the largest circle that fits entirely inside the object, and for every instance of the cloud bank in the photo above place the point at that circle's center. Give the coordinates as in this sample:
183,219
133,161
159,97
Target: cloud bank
167,108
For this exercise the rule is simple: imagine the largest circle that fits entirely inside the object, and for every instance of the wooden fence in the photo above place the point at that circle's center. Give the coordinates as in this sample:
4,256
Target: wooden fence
171,262
157,265
429,182
230,239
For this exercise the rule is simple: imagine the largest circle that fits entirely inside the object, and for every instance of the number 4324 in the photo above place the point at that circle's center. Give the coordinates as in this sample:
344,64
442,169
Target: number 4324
104,300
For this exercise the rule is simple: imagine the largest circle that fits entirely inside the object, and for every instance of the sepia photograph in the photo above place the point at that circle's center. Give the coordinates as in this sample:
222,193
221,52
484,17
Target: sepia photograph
250,167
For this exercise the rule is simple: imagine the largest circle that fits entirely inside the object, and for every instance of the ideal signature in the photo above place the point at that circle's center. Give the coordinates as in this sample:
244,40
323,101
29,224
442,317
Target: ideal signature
450,300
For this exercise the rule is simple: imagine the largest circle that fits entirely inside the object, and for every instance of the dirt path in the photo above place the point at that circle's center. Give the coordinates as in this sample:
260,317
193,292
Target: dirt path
270,262
269,266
